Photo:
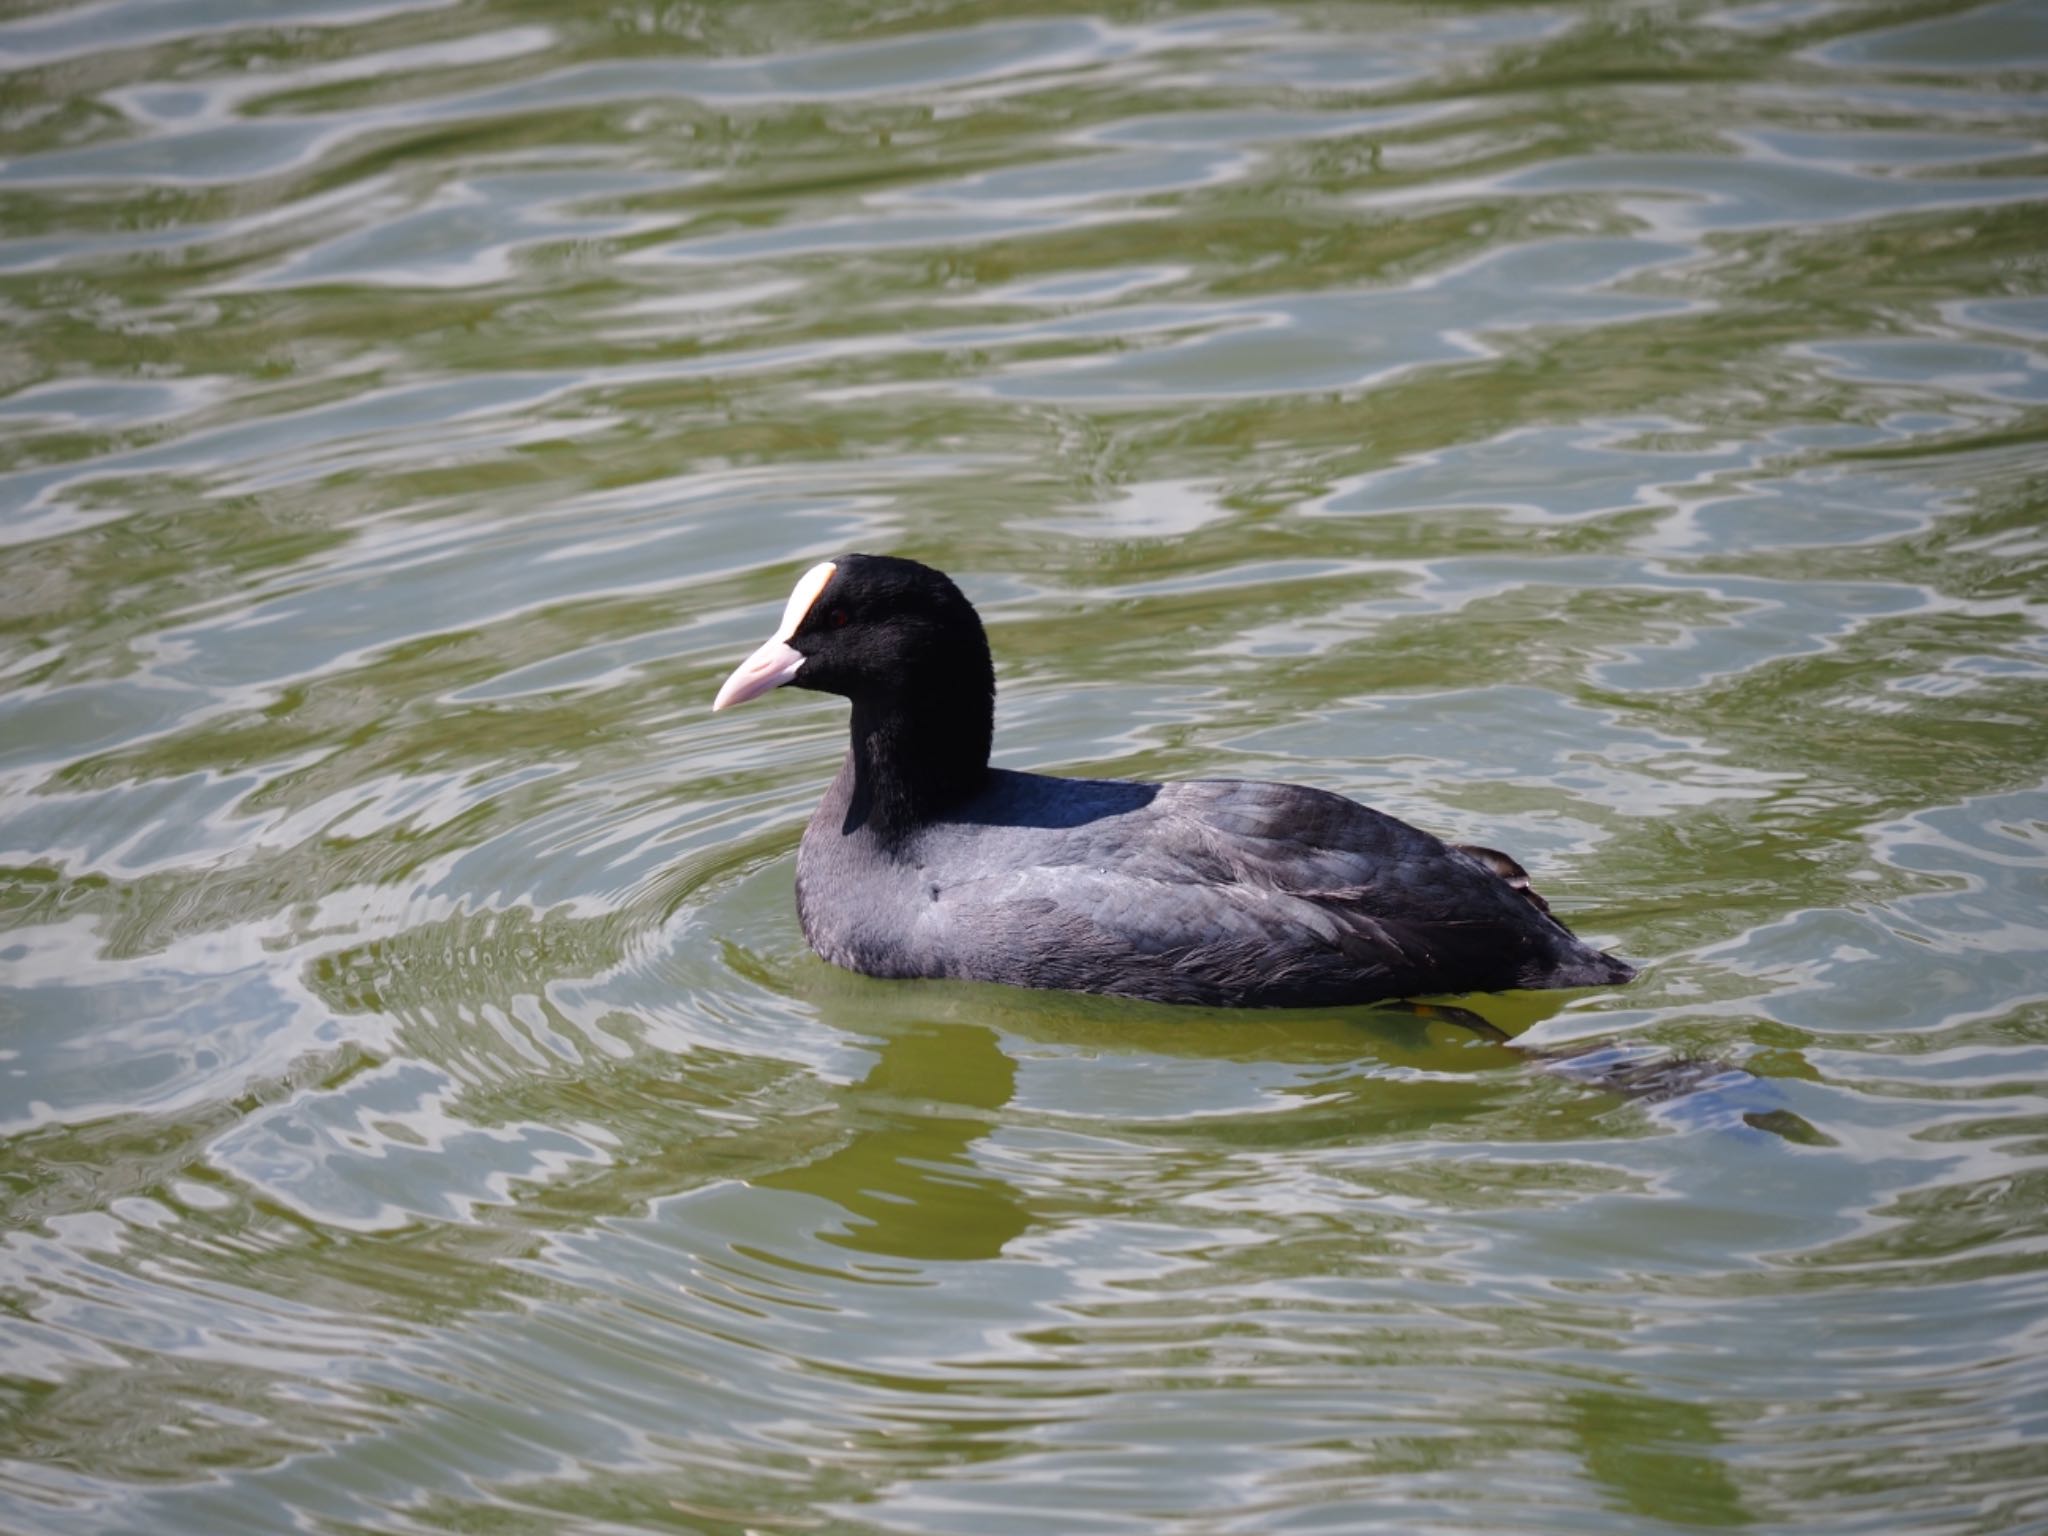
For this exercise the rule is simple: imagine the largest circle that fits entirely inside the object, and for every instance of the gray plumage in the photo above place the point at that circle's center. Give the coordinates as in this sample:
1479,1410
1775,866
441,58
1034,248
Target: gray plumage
1214,891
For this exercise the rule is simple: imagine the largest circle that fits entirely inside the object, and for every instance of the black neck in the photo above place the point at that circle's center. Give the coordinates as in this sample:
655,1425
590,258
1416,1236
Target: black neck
912,760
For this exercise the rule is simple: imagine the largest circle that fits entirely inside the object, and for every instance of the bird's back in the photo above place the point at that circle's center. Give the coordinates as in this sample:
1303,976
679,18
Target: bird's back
1222,892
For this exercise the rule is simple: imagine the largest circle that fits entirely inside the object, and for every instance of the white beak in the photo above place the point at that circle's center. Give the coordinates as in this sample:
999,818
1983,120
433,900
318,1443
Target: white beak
777,661
774,664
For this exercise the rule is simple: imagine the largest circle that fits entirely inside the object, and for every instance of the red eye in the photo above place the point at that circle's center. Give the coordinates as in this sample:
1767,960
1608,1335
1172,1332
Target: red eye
838,617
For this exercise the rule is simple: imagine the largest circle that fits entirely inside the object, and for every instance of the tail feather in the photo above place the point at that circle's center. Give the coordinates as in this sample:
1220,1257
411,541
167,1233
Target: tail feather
1513,873
1575,964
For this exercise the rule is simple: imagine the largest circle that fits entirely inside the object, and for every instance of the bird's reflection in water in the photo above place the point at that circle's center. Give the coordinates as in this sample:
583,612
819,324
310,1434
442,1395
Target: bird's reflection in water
904,1172
904,1175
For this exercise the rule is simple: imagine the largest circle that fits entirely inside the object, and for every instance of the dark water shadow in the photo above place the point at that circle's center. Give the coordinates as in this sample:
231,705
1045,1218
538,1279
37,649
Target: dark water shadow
1436,1035
898,1164
903,1173
1643,1074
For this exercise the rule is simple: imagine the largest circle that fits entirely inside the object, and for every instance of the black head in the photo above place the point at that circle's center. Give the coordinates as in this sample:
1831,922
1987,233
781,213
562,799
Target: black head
870,626
902,642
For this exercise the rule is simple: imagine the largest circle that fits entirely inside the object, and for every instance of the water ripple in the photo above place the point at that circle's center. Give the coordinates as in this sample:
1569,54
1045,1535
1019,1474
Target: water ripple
1613,436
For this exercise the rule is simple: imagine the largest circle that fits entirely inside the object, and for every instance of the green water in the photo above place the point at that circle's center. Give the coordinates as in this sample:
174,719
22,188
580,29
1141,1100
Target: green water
1615,434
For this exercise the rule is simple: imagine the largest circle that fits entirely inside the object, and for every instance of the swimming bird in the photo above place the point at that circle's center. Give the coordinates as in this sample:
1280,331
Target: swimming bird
923,861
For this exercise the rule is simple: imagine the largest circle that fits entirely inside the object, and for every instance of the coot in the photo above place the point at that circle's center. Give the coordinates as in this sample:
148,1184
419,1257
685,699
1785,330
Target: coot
924,861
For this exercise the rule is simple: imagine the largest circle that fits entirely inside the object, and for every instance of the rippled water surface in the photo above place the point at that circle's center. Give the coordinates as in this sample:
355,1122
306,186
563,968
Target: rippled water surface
1611,433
